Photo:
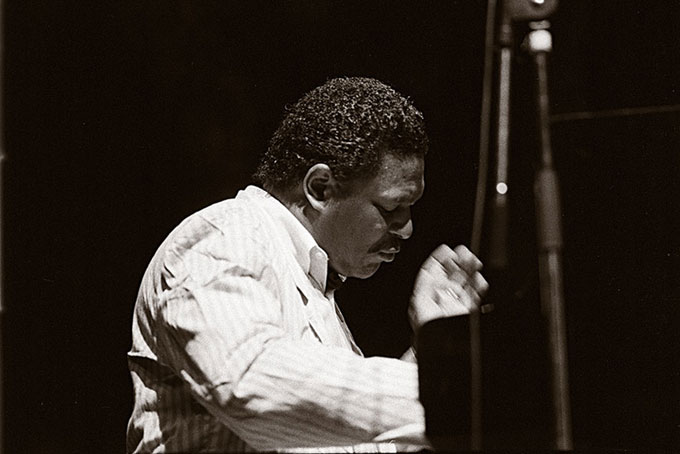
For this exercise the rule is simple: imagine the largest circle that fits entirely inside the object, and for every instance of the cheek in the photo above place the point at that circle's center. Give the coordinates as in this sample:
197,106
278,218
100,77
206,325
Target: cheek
357,227
365,229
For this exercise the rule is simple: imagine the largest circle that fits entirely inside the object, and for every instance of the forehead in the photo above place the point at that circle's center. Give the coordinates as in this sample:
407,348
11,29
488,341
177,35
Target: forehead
398,179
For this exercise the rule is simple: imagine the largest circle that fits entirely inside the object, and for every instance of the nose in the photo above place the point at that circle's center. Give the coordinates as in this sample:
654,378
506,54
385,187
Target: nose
402,227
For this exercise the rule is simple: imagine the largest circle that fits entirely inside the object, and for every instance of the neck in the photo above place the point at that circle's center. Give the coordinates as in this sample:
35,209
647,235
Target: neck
299,208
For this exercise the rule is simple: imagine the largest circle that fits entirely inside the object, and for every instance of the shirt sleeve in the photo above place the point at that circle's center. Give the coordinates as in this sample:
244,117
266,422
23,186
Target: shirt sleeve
219,325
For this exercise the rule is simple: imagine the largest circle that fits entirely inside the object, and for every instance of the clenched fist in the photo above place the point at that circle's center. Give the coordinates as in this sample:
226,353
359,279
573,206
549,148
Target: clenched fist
449,283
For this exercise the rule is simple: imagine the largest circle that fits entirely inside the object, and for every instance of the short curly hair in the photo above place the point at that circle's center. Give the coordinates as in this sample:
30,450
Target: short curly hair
347,123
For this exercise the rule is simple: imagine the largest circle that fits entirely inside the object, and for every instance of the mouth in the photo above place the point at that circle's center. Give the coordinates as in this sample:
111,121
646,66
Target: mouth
388,255
386,250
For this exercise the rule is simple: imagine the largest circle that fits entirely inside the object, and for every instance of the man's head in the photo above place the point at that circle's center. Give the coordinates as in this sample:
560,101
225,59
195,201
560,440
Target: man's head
350,154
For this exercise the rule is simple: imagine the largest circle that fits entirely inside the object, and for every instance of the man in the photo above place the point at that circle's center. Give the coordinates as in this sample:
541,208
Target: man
238,344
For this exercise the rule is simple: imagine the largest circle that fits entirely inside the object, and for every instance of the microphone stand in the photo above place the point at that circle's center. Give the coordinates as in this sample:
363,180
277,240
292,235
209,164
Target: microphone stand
547,218
498,251
549,242
2,245
498,257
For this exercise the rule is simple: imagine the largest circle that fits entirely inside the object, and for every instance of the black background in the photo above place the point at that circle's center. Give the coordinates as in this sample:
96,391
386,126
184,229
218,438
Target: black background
122,118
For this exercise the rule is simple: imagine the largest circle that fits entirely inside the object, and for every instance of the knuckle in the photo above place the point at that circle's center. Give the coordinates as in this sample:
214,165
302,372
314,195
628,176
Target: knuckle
442,250
462,249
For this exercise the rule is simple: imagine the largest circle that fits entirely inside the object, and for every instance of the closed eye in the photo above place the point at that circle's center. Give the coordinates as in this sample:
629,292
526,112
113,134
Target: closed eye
383,209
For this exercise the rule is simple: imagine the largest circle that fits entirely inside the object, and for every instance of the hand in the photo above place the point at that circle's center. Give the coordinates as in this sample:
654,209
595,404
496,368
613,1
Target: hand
449,283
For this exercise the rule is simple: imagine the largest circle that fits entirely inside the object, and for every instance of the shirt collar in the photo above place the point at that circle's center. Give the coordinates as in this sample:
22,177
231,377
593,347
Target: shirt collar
312,259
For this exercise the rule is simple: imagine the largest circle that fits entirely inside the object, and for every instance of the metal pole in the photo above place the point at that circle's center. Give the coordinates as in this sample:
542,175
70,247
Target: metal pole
498,239
549,231
2,255
511,10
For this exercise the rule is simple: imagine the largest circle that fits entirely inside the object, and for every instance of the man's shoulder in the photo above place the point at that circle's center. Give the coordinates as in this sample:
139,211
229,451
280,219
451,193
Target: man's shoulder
226,221
233,213
226,232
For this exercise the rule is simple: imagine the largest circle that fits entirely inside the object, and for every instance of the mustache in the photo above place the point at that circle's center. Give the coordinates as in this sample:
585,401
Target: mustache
389,244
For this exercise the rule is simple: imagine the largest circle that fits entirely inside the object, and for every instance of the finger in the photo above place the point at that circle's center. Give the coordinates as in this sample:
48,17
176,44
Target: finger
448,260
453,301
460,264
434,261
442,254
480,284
466,276
455,273
477,287
467,260
458,295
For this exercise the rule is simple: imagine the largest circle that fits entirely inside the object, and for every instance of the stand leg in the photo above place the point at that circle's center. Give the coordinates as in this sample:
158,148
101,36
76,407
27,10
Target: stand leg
549,231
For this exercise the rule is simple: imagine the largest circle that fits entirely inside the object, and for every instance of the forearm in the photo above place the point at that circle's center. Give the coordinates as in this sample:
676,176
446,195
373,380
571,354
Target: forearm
296,394
222,331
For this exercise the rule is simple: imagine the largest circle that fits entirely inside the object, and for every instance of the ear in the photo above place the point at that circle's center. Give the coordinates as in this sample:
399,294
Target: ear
319,185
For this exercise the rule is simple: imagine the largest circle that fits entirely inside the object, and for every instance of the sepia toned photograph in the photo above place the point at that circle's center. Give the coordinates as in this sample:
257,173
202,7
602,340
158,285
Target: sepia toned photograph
340,226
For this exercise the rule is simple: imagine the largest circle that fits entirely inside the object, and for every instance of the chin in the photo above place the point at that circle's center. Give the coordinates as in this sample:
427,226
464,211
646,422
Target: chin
366,271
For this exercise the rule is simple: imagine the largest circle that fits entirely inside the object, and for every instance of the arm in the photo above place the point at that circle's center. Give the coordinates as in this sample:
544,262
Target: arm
221,324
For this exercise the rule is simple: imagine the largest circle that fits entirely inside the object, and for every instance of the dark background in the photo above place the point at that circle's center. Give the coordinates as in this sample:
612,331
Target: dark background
121,118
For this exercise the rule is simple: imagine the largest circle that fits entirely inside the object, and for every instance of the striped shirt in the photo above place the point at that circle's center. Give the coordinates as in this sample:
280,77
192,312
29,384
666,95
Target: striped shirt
236,347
